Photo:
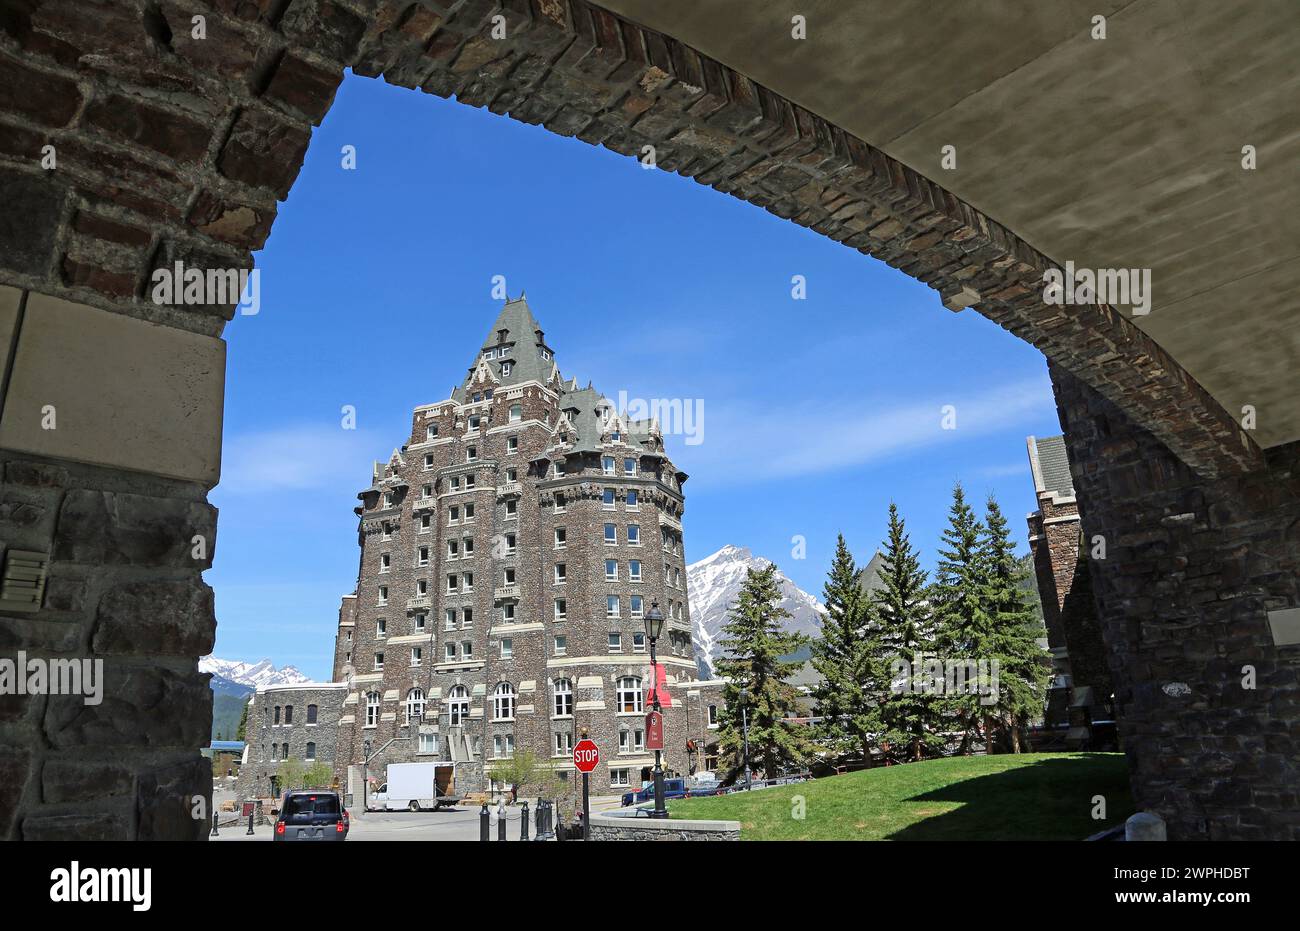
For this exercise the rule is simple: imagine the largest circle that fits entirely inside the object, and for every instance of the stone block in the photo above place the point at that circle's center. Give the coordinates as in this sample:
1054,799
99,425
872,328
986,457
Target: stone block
165,801
171,618
78,828
176,707
107,528
75,780
264,152
29,222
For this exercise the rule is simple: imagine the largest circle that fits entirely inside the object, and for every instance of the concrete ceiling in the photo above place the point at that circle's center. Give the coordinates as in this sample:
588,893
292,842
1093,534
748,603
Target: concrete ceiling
1117,153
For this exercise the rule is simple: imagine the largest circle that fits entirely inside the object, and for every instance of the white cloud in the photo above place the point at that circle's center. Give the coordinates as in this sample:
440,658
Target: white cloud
302,457
810,437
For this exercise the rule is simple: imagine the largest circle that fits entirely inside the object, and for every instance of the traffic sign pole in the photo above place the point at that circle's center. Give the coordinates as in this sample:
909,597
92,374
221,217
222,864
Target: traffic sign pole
586,806
586,756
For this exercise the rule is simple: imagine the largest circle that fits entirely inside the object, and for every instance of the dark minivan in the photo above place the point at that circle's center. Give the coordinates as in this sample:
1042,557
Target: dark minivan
311,815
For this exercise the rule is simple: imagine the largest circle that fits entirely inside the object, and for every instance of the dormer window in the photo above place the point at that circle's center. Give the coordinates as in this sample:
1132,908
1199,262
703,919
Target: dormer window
544,353
505,369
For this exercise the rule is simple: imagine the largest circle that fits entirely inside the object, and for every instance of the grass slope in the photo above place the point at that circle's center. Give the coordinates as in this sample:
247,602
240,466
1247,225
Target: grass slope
1030,796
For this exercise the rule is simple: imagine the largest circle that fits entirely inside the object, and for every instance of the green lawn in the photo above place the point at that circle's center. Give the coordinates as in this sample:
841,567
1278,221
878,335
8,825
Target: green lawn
1030,796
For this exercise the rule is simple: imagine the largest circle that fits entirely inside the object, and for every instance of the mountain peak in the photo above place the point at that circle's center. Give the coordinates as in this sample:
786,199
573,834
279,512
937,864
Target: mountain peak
263,672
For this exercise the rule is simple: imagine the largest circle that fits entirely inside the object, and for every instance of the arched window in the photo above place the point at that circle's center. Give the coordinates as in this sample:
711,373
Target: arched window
372,709
629,694
503,702
563,690
457,705
414,705
311,751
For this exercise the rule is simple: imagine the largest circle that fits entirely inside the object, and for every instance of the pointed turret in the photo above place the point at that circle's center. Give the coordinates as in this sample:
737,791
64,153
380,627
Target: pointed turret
514,351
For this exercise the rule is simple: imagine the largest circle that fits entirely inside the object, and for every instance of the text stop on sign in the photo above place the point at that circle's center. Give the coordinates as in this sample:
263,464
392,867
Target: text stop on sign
585,756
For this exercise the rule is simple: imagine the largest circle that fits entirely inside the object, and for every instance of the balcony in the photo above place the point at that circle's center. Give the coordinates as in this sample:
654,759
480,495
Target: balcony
424,504
506,592
419,602
509,488
667,520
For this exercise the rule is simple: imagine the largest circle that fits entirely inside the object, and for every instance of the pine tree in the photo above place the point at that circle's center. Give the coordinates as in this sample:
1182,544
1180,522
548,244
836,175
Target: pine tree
964,628
754,640
840,657
1024,667
243,724
901,628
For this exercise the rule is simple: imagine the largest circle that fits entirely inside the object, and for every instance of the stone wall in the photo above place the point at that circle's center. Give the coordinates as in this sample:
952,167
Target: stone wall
1208,702
615,828
125,588
273,737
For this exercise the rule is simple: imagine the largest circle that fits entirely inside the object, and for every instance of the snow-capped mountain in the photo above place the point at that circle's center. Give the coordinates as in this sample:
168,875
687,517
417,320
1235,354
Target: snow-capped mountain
712,585
251,674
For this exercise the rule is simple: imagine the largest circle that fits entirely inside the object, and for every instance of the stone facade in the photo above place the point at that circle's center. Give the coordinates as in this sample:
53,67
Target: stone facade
612,827
510,548
1065,591
290,721
1193,597
703,711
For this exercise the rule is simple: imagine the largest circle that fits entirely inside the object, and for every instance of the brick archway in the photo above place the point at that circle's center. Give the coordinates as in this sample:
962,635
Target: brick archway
176,148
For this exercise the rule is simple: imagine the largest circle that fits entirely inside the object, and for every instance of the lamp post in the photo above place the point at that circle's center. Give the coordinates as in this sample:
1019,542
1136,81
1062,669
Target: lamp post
365,773
744,728
654,623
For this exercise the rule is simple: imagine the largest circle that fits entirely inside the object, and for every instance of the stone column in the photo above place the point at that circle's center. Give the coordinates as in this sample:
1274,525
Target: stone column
1196,596
110,430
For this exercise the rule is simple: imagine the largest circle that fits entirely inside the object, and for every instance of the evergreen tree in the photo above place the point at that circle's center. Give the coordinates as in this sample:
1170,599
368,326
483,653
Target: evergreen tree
1024,667
243,724
901,628
841,659
964,628
754,642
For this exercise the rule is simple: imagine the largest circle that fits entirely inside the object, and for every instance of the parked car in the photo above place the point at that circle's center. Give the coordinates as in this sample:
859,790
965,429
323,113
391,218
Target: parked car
673,788
311,815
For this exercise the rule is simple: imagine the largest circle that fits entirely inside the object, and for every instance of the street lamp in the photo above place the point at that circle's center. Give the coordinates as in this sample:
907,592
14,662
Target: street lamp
365,773
654,625
744,727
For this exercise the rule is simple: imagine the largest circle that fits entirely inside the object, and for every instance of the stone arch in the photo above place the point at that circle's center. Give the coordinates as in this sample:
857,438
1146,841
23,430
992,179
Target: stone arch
172,148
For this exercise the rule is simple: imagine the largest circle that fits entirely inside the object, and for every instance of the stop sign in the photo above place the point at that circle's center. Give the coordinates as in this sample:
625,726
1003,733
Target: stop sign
586,755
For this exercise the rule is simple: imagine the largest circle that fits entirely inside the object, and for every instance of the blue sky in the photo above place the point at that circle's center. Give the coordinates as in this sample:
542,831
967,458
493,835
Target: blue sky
376,292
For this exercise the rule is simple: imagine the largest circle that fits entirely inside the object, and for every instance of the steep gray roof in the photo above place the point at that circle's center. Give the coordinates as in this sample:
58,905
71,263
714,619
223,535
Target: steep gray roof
517,329
1052,474
869,575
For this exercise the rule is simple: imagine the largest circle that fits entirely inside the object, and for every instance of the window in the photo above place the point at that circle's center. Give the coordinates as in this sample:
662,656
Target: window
470,481
417,655
561,609
516,410
453,583
631,500
636,606
561,538
311,751
387,533
713,715
474,418
615,642
469,512
607,464
505,372
313,712
545,354
420,620
607,499
634,534
414,705
471,452
611,534
611,570
561,644
507,648
562,689
512,508
385,562
611,606
512,475
372,709
379,662
629,467
503,702
277,716
453,515
512,444
638,642
503,746
388,499
428,743
468,546
629,695
422,588
431,431
467,618
275,752
383,595
428,464
509,575
563,744
559,502
559,573
449,618
508,611
288,714
457,705
634,570
381,629
466,649
619,777
422,556
453,549
449,651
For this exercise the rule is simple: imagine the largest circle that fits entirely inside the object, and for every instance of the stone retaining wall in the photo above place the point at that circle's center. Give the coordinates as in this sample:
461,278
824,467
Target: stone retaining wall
616,827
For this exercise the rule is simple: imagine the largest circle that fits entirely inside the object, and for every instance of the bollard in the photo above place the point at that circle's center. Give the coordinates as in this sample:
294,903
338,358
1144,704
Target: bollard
523,822
501,822
559,825
541,819
214,824
483,823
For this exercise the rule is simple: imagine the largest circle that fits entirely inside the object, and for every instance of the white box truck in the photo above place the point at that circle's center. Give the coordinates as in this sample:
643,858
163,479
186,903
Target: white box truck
416,787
